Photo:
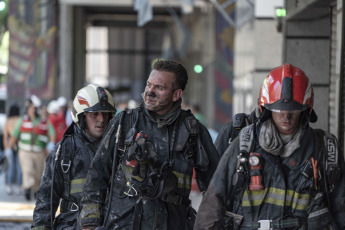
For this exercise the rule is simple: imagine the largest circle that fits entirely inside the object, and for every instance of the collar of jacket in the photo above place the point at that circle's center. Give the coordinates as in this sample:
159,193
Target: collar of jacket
74,129
304,127
174,113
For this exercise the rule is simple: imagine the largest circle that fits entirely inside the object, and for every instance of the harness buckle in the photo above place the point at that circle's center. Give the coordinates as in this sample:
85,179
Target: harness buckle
265,225
65,165
74,207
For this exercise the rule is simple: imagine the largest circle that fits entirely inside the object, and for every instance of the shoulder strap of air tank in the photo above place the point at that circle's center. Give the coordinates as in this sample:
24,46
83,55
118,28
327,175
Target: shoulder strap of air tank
192,125
121,141
240,178
239,121
66,162
126,124
246,139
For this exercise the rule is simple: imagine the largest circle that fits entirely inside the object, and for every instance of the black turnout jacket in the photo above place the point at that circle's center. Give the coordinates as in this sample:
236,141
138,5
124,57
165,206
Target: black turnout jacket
69,169
288,187
183,142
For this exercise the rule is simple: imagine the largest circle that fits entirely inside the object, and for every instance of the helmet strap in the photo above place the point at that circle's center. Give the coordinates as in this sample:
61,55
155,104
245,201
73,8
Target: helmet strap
82,121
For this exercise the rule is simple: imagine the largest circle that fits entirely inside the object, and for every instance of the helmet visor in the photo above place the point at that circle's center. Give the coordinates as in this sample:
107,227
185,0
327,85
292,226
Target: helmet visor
286,111
101,107
286,105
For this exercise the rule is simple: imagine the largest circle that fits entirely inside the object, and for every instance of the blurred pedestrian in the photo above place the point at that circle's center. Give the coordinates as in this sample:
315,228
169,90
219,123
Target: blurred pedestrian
197,113
32,135
14,172
62,102
56,120
45,123
68,164
68,116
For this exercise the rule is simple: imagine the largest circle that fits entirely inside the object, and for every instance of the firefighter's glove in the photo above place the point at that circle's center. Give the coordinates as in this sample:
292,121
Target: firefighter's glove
320,217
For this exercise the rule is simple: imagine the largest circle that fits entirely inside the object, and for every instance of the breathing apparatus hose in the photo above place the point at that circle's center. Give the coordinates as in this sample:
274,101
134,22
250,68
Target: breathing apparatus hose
118,133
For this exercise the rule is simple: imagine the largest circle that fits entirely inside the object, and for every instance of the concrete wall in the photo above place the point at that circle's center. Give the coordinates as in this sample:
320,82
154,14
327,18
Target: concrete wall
307,45
258,49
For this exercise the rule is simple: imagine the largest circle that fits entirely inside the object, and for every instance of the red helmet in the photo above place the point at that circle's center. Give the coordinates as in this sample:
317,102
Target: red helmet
286,88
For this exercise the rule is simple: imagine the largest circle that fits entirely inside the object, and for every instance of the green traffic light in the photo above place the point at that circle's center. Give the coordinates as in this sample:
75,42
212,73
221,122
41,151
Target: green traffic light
197,68
2,5
280,13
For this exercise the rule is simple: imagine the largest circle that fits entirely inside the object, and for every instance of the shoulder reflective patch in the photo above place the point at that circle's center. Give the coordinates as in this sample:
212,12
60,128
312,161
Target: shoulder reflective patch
246,138
332,152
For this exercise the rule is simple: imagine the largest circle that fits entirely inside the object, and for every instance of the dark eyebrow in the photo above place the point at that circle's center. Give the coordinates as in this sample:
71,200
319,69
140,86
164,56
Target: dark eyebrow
155,85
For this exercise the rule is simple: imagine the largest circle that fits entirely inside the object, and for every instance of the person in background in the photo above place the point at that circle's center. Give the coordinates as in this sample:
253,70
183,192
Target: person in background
58,121
33,135
62,102
14,171
68,116
141,175
68,164
279,173
46,124
197,113
230,130
195,109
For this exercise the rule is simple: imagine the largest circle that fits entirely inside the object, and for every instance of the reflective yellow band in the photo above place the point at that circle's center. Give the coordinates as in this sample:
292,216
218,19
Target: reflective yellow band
296,200
77,185
276,196
184,181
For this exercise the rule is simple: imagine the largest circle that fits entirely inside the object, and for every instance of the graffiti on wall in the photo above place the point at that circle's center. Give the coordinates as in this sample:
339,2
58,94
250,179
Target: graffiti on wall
32,49
223,71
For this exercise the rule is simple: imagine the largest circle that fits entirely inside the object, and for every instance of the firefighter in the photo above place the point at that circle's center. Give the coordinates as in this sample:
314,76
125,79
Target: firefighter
279,173
68,163
34,135
142,173
231,129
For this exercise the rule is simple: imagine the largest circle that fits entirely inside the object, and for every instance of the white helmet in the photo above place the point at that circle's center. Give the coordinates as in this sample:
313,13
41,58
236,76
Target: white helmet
92,98
53,107
33,100
62,101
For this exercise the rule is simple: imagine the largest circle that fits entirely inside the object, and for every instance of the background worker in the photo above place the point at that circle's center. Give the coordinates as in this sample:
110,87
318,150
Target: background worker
33,136
14,171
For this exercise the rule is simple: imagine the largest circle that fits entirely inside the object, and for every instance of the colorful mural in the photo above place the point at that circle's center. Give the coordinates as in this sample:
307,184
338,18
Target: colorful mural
224,70
32,49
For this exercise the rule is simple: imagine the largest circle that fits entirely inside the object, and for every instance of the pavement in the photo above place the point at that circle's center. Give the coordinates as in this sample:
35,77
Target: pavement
15,211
